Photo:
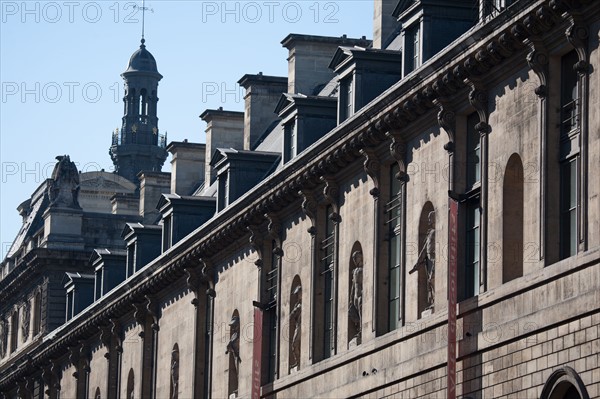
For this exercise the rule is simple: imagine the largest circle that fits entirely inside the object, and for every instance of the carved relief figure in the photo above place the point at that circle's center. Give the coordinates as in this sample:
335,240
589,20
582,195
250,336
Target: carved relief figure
428,261
296,322
25,320
63,189
356,291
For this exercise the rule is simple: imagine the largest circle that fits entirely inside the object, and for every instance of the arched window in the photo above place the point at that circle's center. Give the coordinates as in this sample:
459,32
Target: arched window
425,263
512,220
564,383
355,294
295,338
174,391
142,103
233,349
130,385
97,394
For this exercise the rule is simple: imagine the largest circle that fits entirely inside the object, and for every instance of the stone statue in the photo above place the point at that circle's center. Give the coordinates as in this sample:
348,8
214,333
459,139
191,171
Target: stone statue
355,307
296,319
233,346
174,374
25,320
428,261
63,188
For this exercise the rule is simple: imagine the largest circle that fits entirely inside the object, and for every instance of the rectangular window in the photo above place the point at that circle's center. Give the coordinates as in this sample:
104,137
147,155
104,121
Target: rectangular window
98,284
569,155
130,260
290,141
272,278
166,238
346,98
393,221
412,50
327,273
568,211
472,241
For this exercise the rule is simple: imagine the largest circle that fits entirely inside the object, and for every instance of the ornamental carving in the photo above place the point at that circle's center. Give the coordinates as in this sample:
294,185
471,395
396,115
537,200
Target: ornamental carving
25,320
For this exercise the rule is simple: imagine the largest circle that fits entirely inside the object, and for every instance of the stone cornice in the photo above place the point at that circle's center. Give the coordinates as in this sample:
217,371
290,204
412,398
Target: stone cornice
474,54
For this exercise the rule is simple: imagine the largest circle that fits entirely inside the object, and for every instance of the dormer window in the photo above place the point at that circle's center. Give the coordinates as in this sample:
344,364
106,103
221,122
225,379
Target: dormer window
346,98
412,49
290,141
167,233
223,195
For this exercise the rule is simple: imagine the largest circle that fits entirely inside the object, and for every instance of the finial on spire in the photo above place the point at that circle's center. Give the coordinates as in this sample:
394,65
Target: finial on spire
144,8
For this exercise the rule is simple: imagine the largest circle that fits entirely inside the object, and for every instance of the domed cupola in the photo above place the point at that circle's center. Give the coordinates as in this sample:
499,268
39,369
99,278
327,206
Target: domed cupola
142,61
139,146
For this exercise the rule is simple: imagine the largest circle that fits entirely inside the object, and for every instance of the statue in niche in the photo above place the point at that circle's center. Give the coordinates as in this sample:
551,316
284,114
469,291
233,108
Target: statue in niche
174,374
25,320
233,346
428,261
296,321
356,292
63,188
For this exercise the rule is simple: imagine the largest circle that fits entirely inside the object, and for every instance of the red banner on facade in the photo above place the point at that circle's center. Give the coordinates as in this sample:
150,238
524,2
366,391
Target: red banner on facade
452,294
257,354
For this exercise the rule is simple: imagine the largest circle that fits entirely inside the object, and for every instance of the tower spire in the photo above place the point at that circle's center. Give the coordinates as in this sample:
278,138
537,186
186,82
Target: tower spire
144,8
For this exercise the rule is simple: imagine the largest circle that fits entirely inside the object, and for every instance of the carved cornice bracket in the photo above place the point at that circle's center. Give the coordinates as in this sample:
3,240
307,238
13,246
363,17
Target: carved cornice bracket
106,339
309,207
479,100
208,275
115,330
256,242
74,352
152,311
192,281
372,167
398,152
447,121
331,193
577,35
538,60
139,315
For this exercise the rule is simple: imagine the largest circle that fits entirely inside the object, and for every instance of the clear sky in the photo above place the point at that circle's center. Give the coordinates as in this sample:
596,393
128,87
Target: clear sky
60,66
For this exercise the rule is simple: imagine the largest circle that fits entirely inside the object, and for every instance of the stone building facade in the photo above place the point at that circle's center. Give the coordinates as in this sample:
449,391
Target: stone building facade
310,252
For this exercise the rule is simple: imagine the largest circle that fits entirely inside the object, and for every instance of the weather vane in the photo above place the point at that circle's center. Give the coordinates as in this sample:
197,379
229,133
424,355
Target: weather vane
143,8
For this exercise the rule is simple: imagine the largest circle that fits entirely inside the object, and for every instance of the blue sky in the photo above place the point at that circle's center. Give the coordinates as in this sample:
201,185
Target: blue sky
60,66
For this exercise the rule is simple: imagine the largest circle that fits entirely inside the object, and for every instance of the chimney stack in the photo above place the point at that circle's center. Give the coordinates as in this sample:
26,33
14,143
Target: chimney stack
262,95
224,129
384,24
187,166
309,58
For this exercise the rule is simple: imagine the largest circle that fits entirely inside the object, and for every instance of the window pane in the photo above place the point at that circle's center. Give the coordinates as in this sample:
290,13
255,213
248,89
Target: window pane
394,307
